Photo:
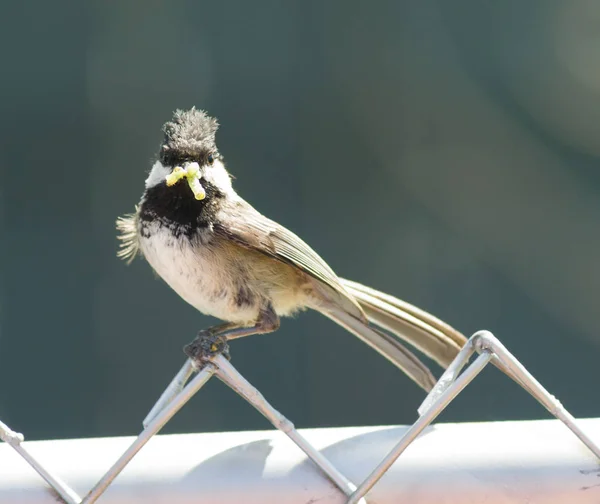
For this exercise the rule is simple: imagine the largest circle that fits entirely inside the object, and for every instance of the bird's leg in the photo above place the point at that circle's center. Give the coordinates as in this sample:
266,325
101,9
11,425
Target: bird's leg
206,345
213,340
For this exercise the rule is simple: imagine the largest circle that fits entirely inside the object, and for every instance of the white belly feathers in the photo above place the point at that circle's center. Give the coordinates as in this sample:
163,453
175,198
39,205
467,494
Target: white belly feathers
196,274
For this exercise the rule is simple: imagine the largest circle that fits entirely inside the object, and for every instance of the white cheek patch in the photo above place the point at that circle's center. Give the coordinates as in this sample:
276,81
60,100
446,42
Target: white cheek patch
217,175
157,174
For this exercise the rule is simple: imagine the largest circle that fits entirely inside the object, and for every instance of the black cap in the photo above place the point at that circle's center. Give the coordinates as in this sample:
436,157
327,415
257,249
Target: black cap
189,136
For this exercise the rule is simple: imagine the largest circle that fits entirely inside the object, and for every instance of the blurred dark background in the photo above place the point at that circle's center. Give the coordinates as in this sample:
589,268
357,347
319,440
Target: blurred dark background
445,152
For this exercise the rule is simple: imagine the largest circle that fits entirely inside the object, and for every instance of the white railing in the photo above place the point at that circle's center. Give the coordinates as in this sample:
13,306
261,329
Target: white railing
496,462
492,463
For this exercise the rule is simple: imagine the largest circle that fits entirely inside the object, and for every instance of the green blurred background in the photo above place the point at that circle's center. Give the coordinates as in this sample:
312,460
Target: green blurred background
445,152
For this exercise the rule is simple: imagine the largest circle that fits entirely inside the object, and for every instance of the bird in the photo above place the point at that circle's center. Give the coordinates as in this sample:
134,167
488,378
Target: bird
227,260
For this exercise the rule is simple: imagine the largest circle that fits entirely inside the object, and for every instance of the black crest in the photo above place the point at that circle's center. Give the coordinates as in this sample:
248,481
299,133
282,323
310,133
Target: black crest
189,136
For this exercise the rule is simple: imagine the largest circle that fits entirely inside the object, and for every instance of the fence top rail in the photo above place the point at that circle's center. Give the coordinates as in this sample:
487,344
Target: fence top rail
493,462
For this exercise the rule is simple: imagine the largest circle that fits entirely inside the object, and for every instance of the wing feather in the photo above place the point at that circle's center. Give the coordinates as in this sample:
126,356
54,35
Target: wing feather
243,224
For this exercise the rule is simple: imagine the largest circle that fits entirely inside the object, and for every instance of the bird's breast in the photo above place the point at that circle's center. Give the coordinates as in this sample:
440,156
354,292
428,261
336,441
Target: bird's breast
201,271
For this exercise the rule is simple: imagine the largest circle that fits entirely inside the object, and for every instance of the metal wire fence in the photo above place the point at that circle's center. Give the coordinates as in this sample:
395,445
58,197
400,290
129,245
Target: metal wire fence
190,380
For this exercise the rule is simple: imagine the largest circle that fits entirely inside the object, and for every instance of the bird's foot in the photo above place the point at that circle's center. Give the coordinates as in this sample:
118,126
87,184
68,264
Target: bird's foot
206,346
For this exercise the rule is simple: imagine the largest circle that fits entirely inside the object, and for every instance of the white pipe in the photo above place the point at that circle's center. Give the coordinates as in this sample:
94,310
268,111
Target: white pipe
538,462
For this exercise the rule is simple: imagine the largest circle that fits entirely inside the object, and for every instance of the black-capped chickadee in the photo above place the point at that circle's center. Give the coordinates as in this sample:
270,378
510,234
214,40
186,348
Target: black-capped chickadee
227,260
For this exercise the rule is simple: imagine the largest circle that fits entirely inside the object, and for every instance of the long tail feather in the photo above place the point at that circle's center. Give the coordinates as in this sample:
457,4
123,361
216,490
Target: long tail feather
388,346
430,335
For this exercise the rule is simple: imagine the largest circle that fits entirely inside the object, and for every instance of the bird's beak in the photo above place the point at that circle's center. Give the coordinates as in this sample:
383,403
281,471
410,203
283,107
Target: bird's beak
191,172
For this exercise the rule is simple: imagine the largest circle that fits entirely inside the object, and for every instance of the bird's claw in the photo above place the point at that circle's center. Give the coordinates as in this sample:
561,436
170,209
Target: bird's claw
206,346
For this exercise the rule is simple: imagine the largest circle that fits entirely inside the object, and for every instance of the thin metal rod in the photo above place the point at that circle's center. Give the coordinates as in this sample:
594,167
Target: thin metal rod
423,421
153,427
14,439
454,369
487,342
449,376
10,436
231,377
171,391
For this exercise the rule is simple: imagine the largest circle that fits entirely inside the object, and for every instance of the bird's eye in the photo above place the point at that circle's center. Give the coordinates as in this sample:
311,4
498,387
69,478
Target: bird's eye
210,159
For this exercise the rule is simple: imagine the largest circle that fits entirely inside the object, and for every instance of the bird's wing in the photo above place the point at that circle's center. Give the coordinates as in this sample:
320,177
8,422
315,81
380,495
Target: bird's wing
243,224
